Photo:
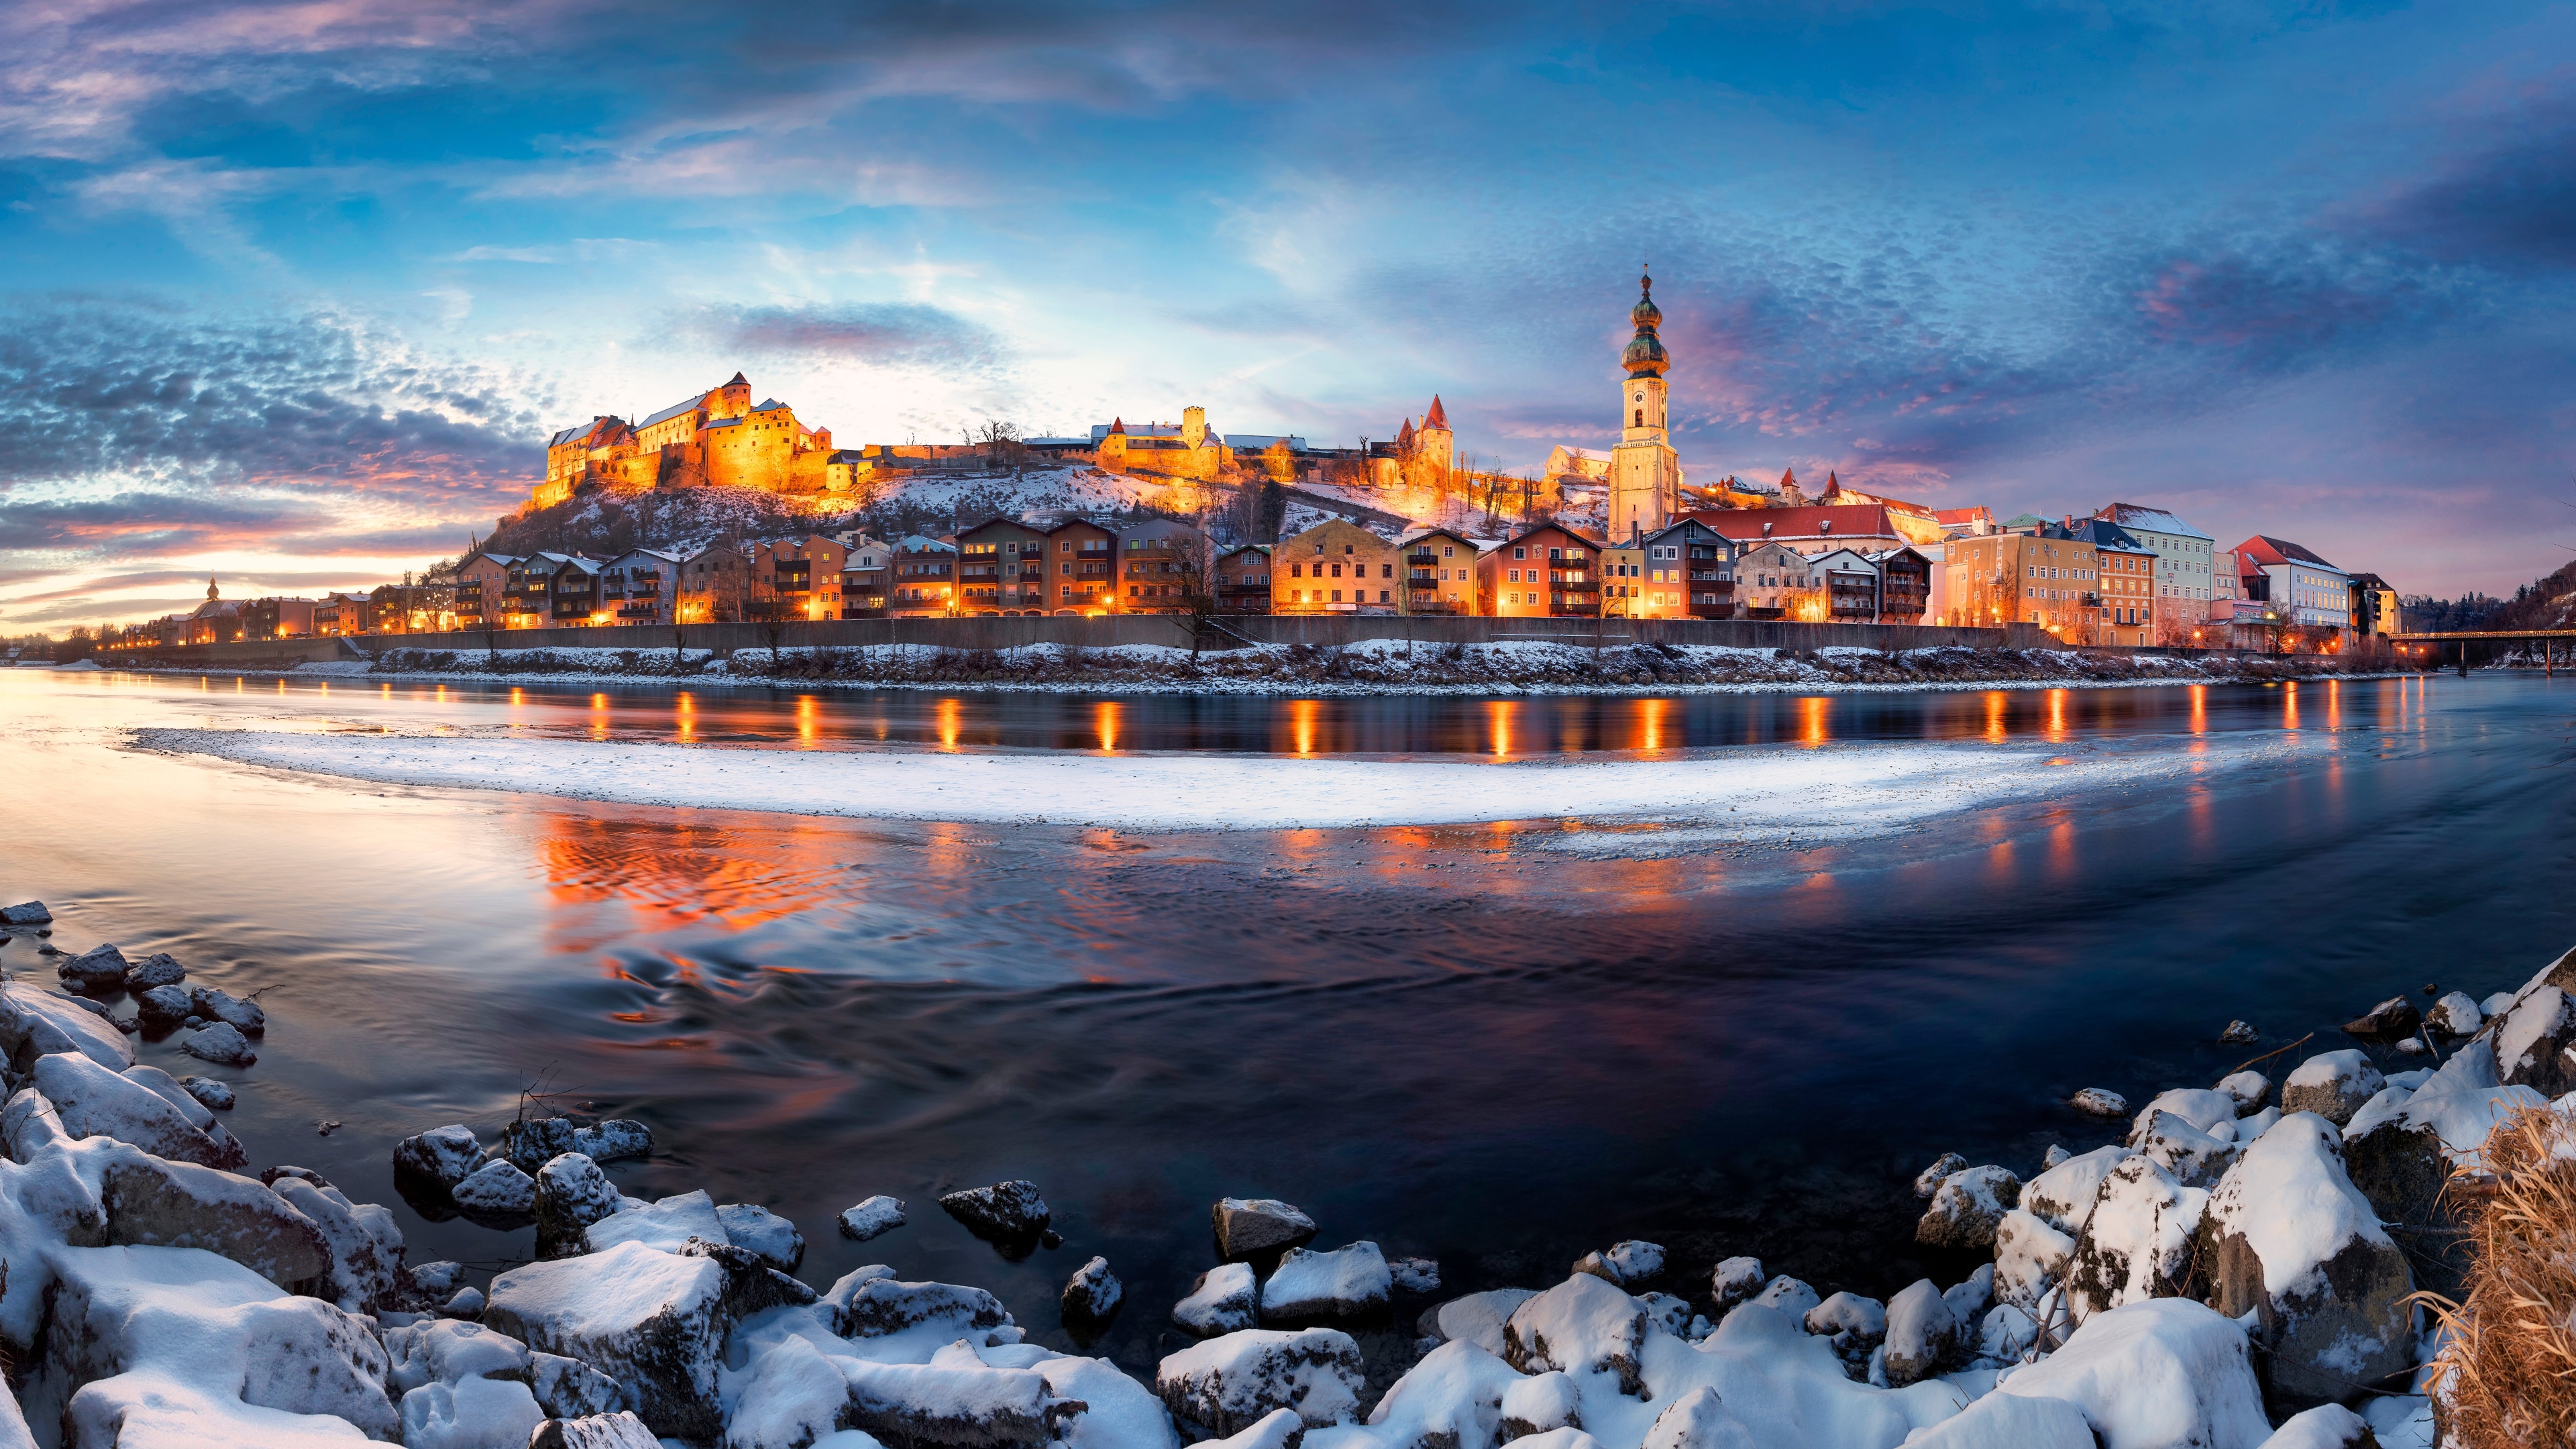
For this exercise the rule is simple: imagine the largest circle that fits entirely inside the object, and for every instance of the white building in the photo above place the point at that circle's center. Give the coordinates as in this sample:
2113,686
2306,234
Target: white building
2185,583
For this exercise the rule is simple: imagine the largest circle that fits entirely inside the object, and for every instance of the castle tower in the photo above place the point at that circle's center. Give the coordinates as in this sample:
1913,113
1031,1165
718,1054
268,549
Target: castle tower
1433,443
1194,429
1645,473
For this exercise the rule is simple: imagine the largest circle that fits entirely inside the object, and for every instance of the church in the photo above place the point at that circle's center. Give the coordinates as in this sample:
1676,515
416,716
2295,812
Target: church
1644,479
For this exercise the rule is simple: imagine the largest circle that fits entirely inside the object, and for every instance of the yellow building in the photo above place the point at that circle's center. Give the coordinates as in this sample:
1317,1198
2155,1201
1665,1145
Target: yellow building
1439,569
1189,451
2046,576
1335,568
718,438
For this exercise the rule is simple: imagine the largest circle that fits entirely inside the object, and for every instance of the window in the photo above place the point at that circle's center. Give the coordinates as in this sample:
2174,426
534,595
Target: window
1337,596
1381,596
1386,571
1448,550
1520,553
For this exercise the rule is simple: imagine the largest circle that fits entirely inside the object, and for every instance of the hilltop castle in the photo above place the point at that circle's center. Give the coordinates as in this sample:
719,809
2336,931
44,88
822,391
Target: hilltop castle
716,438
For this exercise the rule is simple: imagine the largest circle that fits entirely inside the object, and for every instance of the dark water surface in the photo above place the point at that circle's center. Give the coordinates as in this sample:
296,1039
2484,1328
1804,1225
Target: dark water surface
1460,1042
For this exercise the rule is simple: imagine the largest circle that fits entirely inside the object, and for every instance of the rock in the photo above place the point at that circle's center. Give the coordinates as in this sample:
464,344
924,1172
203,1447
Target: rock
1966,1207
1792,1297
1246,1226
616,1139
1634,1261
567,1388
1733,1281
151,1202
668,1224
2053,1156
161,1007
2009,1421
1558,1439
2454,1015
222,1044
1343,1283
91,1101
1698,1419
2532,1041
1928,1181
441,1156
2007,1332
26,913
944,1402
102,970
1092,1293
156,970
2412,1046
571,1194
2394,1017
462,1386
2402,1146
774,1238
34,1023
1456,1394
1478,1318
2290,1239
651,1320
750,1284
1854,1325
529,1143
463,1303
873,1218
2496,1004
2168,1372
2327,1426
2249,1090
2194,1157
1535,1405
2100,1102
874,1307
1672,1315
1969,1298
1279,1429
436,1282
1921,1333
2031,1257
2239,1033
1414,1275
364,1241
1581,1325
1226,1385
2332,1085
1010,1213
2137,1244
496,1189
241,1015
1221,1300
596,1431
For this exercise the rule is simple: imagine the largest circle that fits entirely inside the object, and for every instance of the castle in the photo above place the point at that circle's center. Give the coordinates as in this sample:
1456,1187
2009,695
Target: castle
717,438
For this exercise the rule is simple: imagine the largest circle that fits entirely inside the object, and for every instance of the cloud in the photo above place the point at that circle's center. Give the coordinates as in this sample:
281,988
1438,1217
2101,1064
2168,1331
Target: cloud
881,334
2505,195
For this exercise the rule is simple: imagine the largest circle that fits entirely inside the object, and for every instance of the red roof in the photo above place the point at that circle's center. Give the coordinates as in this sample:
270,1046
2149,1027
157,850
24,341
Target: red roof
1960,515
1436,418
2267,550
1849,520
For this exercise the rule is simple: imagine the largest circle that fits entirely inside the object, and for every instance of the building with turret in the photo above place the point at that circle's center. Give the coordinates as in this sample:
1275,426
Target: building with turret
717,438
1645,480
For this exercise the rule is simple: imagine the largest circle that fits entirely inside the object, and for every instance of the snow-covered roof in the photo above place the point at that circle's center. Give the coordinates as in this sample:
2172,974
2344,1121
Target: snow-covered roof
686,405
769,405
922,543
1256,441
2154,520
722,423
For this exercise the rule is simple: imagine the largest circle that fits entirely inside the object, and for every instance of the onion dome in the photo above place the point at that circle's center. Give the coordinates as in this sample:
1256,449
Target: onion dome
1645,356
1646,314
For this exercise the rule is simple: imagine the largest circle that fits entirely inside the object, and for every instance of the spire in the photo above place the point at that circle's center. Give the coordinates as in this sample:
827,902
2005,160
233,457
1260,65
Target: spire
1437,417
1788,480
739,381
210,586
1118,427
1404,435
1645,356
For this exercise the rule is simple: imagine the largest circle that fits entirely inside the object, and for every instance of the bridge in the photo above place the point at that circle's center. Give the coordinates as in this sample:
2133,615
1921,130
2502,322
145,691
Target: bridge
2447,645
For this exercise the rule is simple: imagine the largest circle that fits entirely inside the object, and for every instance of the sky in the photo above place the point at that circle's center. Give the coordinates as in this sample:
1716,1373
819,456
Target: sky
292,293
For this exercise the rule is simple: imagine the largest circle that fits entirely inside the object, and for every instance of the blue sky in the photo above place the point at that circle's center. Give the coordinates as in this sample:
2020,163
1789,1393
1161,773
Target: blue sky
294,291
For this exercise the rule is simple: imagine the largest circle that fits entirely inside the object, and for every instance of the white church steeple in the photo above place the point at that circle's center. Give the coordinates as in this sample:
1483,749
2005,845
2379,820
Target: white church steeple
1645,473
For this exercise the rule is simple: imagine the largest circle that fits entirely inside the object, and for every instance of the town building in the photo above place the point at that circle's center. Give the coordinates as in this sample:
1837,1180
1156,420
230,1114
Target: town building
1162,563
1243,580
798,578
1549,571
572,592
1439,568
277,618
715,585
640,587
1905,582
925,579
2375,611
2045,577
1333,567
1086,567
2128,582
216,621
1002,568
2185,587
866,564
1775,581
1644,486
1914,522
1686,571
337,614
2313,593
1418,457
1191,451
1810,529
1851,585
481,580
1965,522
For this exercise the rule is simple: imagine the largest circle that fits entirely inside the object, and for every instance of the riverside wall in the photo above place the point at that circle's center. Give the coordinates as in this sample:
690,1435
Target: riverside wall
1230,631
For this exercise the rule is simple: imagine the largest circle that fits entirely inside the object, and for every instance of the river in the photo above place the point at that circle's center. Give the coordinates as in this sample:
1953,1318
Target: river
1499,1044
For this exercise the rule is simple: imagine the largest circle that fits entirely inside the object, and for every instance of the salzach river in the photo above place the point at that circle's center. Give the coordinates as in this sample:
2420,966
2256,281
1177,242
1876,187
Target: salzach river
1469,1043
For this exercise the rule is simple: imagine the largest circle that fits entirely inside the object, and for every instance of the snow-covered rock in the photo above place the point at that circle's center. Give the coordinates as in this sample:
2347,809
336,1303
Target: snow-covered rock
242,1015
625,1431
1582,1325
1246,1226
2249,1090
1789,1295
2195,1157
462,1386
1536,1404
2009,1421
875,1217
1223,1299
651,1320
2396,1016
571,1194
529,1143
26,913
2064,1194
1736,1280
1970,1296
2031,1257
1928,1180
157,1203
497,1189
1851,1323
2099,1102
2137,1243
156,970
1414,1275
2455,1014
1117,1412
221,1043
464,1303
1226,1385
667,1224
1343,1283
1092,1293
870,1303
2291,1238
2331,1084
92,1101
614,1140
2238,1033
1966,1207
1004,1212
1278,1429
443,1156
1698,1419
1921,1333
2327,1426
2535,1041
2154,1375
937,1403
34,1022
100,969
2402,1146
1456,1394
162,1007
775,1239
213,1095
363,1239
1478,1318
2496,1003
567,1388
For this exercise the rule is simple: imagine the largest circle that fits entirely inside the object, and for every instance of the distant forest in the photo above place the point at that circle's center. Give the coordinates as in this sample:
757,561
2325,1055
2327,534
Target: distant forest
2548,604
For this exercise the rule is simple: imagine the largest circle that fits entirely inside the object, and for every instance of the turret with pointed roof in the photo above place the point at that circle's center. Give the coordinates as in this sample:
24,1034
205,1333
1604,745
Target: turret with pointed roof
1438,417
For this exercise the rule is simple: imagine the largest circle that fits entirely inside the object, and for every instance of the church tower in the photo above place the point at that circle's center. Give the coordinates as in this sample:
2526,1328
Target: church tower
1645,473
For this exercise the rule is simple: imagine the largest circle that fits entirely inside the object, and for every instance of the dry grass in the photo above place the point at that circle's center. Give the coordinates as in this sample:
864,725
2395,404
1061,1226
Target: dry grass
2509,1370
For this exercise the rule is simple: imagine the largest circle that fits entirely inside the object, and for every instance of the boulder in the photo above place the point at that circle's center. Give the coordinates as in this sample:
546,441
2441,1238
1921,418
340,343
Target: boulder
2009,1421
876,1306
775,1239
2402,1146
531,1142
750,1284
594,1431
651,1320
441,1157
1966,1207
873,1218
1582,1325
1009,1213
1672,1315
161,1007
2137,1242
1278,1429
1733,1281
2099,1102
2454,1015
571,1194
1698,1419
1226,1385
1222,1300
1094,1404
1854,1325
1633,1261
462,1386
365,1243
239,1013
2496,1003
667,1224
2532,1042
1928,1180
1789,1295
156,970
1477,1318
1092,1293
2194,1157
2239,1033
211,1094
496,1189
2333,1085
467,1303
437,1280
1414,1275
2031,1257
2394,1017
2327,1426
1537,1404
91,1101
1969,1298
99,970
1248,1226
1456,1394
937,1403
35,1022
614,1140
2249,1090
1922,1333
222,1044
26,913
2153,1374
1343,1283
152,1202
567,1388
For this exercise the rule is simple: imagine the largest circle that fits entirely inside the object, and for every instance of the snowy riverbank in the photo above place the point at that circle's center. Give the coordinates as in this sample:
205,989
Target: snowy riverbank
2225,1278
